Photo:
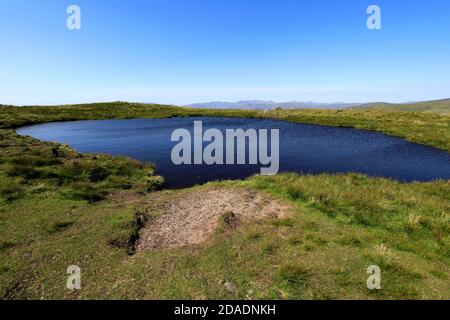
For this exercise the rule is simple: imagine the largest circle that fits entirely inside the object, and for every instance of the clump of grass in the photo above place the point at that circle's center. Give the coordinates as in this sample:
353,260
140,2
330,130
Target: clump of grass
295,240
270,248
350,240
295,193
253,236
413,219
60,226
385,255
27,172
11,189
292,279
292,274
285,222
150,184
413,222
313,200
82,170
85,191
310,225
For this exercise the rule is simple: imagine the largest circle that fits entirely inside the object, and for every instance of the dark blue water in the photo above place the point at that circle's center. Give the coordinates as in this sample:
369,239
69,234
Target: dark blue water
304,148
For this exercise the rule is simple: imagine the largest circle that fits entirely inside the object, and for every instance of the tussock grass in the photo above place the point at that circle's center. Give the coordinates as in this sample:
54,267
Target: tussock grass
26,163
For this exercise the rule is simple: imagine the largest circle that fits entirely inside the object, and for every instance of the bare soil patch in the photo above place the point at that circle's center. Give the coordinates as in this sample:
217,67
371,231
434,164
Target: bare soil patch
190,217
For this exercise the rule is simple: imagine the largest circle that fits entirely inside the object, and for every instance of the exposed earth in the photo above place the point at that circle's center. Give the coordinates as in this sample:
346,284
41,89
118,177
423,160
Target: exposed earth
190,217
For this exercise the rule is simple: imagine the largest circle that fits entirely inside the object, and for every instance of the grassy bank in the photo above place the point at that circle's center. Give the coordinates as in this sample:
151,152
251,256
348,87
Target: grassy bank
59,208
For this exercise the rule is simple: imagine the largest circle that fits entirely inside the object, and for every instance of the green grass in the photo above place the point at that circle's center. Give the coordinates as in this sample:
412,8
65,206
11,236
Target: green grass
439,106
59,208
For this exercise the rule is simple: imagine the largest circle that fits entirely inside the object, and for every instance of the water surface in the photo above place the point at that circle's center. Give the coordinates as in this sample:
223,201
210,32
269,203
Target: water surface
304,148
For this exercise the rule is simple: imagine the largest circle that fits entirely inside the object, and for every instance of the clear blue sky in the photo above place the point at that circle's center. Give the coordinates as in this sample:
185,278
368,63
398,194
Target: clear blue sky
184,51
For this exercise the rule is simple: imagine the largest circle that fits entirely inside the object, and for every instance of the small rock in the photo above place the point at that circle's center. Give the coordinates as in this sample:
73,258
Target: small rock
230,287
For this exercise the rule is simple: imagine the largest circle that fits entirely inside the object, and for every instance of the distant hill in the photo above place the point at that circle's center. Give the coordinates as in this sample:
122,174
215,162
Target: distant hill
440,106
262,104
436,106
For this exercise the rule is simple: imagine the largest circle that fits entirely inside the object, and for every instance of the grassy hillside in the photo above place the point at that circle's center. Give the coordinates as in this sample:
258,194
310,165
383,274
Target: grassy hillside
439,106
59,207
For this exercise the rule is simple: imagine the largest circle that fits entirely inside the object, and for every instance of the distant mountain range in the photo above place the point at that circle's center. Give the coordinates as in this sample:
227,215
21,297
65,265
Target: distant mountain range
435,106
263,104
440,106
